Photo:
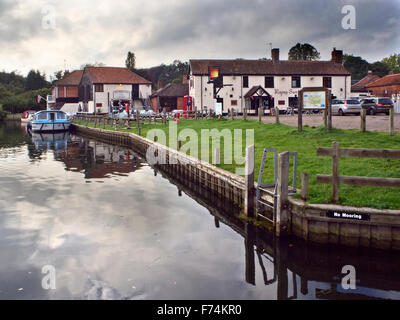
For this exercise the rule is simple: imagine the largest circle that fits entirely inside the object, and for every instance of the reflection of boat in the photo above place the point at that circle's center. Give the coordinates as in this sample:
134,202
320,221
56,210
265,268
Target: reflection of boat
53,141
27,116
49,121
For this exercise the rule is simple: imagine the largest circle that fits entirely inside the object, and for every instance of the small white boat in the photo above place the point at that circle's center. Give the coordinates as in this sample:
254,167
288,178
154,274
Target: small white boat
49,121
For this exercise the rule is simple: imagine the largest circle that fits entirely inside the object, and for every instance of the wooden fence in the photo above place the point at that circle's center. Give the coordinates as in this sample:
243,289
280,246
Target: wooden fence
335,179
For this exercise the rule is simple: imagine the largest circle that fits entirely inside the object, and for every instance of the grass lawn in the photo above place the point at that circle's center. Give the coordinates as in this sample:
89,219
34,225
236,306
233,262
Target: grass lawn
286,138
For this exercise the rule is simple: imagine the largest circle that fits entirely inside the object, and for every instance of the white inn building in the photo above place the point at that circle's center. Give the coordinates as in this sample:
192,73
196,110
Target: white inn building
268,83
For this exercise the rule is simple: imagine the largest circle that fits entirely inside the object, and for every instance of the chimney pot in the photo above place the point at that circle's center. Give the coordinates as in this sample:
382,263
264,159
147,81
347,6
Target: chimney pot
275,55
337,56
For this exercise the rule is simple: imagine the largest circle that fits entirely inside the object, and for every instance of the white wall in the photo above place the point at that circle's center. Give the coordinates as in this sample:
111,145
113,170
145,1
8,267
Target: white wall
102,97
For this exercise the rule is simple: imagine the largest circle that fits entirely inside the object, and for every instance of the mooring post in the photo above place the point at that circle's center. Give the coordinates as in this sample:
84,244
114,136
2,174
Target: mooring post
249,241
335,172
277,115
195,113
245,113
304,186
249,182
232,114
300,113
216,156
282,214
363,118
164,115
391,122
329,106
259,114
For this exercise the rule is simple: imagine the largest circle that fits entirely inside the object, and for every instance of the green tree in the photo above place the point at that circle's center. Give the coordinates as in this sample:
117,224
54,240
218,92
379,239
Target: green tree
130,61
357,66
393,62
379,68
35,80
58,75
96,64
303,52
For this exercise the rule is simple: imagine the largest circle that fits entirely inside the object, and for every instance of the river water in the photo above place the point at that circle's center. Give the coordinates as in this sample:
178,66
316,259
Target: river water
94,221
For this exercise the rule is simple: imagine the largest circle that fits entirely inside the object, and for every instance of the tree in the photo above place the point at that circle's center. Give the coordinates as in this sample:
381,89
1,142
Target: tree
130,61
357,66
379,68
393,62
35,80
58,75
303,52
96,64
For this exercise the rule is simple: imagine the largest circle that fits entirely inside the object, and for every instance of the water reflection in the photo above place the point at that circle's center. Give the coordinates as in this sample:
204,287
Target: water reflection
116,228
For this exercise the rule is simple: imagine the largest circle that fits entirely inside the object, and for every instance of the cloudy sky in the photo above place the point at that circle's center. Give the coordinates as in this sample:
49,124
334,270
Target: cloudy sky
46,34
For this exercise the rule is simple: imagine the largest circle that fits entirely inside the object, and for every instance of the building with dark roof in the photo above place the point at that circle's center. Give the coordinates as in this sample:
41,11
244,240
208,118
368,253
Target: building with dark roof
169,97
104,89
360,86
64,92
280,81
386,86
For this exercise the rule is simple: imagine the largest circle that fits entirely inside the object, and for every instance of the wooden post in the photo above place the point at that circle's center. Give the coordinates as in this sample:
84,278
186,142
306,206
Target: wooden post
245,113
335,172
164,115
363,118
249,182
232,116
391,122
325,116
277,115
282,214
304,186
300,112
104,123
216,156
179,145
115,125
140,131
329,106
195,113
259,114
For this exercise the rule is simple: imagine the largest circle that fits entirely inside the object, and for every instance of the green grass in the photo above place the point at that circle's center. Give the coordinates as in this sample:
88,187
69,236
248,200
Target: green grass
286,138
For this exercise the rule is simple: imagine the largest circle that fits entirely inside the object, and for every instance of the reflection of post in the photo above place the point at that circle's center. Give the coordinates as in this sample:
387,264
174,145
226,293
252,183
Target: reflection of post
304,285
249,252
216,222
280,258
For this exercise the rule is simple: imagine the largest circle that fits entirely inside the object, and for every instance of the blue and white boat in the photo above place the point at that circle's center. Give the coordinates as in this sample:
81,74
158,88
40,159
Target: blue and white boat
49,121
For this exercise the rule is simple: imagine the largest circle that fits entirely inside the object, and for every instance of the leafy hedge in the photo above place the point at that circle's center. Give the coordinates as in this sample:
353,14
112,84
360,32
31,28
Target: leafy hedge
24,101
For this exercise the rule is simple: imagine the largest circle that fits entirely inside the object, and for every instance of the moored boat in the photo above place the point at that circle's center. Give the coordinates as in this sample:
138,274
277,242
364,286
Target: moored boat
49,121
27,116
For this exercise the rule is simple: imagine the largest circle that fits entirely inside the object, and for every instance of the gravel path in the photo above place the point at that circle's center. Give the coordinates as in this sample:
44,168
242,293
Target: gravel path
379,122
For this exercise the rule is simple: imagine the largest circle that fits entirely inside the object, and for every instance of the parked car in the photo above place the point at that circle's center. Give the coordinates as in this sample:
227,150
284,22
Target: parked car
377,105
347,106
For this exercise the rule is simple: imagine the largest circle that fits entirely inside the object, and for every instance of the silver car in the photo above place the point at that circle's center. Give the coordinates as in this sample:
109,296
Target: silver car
347,106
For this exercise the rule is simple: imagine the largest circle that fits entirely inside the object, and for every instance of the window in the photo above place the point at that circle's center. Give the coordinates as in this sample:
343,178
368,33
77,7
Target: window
234,103
245,81
269,82
98,88
42,116
296,83
327,82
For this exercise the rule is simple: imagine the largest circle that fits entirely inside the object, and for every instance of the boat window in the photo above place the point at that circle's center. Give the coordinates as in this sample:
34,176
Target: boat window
61,116
42,116
52,116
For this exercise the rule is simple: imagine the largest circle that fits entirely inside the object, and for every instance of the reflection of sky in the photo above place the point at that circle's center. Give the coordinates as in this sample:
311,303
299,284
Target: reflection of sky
128,237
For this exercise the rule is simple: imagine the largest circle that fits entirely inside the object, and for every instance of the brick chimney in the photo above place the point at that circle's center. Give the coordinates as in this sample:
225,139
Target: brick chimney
275,55
337,56
159,84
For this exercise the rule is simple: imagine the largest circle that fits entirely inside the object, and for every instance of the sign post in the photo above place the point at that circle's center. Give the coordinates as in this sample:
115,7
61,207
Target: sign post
314,98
